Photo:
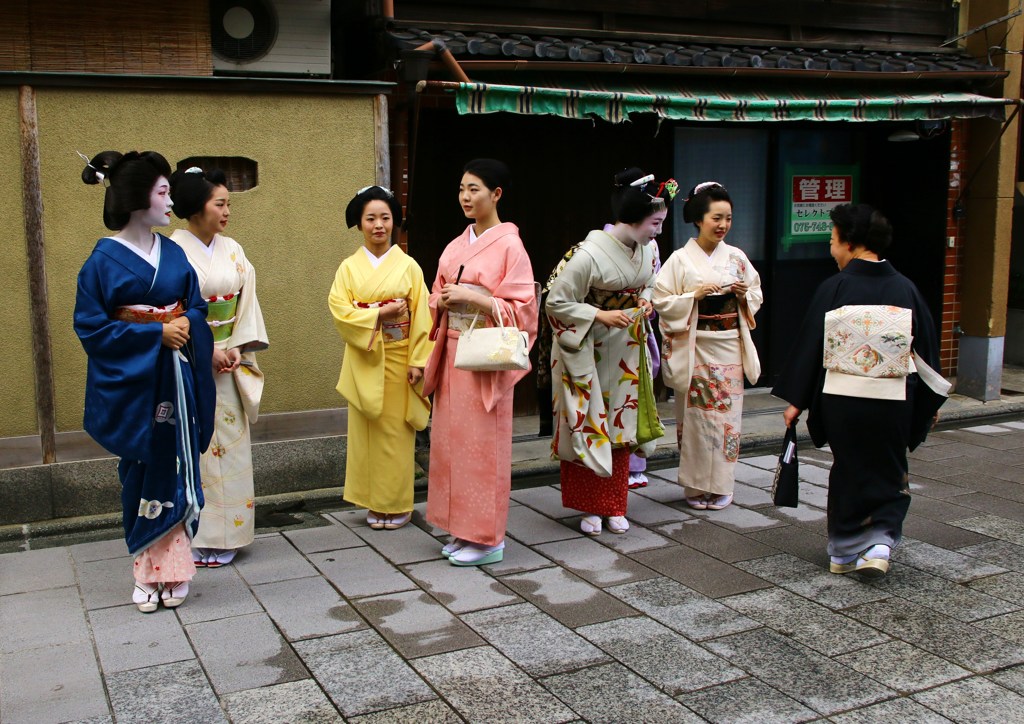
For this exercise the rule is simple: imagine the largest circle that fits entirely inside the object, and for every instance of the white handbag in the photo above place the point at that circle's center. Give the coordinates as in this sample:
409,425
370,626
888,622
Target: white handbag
490,349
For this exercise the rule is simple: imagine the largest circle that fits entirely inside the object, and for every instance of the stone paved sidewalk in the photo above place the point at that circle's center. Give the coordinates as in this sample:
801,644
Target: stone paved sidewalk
727,616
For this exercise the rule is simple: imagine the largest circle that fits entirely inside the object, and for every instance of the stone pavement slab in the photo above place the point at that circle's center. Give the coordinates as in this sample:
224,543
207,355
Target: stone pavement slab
307,607
244,652
952,599
903,667
993,526
810,581
408,544
638,539
296,701
145,696
660,655
482,685
594,562
528,526
999,553
51,684
701,572
460,589
976,700
533,640
612,693
566,597
544,499
361,572
416,624
22,572
106,582
893,710
351,668
715,540
324,538
125,640
28,619
746,701
435,712
517,559
271,558
217,593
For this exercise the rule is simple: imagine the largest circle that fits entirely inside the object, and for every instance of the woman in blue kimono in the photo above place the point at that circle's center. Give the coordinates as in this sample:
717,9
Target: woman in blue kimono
149,395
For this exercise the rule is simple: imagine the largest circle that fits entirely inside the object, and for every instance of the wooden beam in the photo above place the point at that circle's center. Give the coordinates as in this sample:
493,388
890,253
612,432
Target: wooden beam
32,201
381,141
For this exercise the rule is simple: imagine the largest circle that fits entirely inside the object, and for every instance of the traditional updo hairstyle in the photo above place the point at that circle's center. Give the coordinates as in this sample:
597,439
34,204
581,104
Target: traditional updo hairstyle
861,225
130,179
699,200
631,203
491,171
355,208
192,188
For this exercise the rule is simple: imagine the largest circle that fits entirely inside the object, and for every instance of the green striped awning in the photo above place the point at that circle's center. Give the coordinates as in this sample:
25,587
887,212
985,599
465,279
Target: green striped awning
692,103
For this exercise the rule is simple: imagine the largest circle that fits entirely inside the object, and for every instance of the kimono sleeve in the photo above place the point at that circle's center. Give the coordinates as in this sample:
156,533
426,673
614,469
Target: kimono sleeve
420,345
200,349
571,318
249,334
516,292
355,325
754,297
673,304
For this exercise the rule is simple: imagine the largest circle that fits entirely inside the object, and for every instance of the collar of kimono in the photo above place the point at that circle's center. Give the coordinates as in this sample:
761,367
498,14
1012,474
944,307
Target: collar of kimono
880,268
467,251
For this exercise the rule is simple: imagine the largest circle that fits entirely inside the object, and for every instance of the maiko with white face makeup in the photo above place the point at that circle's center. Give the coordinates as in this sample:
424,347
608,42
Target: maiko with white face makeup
598,306
150,396
707,295
228,283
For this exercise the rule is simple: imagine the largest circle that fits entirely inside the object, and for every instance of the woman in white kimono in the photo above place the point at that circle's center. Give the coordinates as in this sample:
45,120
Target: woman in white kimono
228,283
707,294
598,307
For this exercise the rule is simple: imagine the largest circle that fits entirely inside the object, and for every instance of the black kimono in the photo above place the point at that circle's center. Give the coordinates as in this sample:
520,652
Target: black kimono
869,492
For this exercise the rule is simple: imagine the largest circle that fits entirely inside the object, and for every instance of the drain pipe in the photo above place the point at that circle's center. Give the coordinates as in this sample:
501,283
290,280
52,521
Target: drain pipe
441,50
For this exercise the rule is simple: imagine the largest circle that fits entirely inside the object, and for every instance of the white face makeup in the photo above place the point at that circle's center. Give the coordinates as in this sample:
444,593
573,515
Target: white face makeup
159,211
649,228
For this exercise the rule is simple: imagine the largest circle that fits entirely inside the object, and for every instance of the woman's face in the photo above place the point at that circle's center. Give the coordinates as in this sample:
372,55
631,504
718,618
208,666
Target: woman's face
159,211
214,216
376,223
841,251
649,228
716,222
476,199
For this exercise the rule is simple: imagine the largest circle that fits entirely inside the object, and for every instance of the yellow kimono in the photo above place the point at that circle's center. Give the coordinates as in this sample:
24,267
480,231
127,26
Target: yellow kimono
384,410
228,282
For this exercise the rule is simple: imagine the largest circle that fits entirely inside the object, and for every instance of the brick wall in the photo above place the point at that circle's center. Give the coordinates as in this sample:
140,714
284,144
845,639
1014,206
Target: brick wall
949,342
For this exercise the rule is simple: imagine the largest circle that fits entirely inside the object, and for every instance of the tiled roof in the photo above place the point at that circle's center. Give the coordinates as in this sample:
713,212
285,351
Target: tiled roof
512,46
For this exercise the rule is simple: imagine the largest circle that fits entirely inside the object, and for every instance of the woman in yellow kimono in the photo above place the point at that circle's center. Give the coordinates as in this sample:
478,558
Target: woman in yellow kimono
707,294
228,283
379,303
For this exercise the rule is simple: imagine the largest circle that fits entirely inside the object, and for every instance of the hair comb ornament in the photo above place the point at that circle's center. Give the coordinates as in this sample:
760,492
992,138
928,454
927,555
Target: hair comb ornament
388,191
643,181
193,169
704,186
100,176
670,188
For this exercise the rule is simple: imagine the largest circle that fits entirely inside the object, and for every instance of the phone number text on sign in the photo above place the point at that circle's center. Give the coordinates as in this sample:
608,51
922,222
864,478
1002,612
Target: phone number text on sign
813,198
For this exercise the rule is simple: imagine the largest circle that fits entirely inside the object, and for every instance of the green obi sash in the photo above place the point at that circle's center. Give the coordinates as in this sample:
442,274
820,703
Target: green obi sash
220,315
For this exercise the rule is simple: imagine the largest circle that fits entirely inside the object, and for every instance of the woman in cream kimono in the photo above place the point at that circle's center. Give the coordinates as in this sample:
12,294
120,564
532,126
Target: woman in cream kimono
707,294
379,304
598,307
228,282
486,271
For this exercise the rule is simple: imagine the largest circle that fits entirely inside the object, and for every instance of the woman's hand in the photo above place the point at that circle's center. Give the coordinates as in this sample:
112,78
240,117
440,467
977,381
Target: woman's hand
613,318
174,336
739,288
393,310
647,307
458,294
414,375
226,360
791,415
705,289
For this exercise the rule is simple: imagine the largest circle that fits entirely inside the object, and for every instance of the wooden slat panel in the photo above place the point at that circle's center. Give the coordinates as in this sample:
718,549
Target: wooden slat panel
120,36
14,36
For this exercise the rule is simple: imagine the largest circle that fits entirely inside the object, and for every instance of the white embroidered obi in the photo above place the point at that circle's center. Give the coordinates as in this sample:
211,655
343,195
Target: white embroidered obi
460,316
867,351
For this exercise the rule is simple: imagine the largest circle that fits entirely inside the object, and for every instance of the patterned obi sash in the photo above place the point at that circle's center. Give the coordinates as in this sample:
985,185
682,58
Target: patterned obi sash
718,313
620,299
393,330
143,313
460,316
220,315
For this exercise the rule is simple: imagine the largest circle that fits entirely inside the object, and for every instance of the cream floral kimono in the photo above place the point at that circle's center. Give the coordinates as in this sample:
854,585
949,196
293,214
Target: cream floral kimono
228,282
595,368
705,355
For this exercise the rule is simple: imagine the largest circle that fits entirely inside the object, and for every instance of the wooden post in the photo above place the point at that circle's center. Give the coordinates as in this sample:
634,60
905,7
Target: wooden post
32,201
382,141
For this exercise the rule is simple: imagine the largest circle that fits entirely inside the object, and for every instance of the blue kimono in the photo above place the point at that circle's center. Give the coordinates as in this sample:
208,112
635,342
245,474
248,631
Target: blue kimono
146,403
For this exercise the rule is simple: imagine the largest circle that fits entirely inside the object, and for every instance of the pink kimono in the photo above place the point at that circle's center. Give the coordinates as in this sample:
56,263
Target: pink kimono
471,428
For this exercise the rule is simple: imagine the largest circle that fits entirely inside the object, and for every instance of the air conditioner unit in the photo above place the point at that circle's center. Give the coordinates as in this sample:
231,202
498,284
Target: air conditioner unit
271,37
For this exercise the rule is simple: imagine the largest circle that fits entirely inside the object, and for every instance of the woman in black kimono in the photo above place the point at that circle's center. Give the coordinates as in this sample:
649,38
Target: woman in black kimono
864,365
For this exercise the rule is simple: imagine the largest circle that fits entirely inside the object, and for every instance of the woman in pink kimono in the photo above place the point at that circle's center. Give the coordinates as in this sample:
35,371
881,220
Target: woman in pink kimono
707,294
598,307
484,271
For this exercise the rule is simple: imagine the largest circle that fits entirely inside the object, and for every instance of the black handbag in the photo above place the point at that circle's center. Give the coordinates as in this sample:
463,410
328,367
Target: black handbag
785,485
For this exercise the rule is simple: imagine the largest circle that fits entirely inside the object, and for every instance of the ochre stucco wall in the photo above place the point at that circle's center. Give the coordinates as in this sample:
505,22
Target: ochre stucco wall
313,153
17,388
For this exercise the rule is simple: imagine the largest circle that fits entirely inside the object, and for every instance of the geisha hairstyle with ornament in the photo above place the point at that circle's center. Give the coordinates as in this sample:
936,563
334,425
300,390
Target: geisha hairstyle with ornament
129,179
637,195
355,208
192,188
698,201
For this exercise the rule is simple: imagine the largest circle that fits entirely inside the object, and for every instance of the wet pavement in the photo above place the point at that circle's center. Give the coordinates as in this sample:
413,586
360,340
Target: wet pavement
723,616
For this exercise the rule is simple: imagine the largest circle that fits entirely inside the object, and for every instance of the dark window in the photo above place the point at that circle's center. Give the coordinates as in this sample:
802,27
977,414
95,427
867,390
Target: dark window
242,173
